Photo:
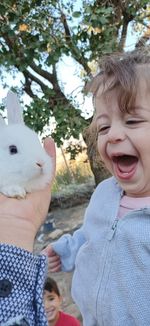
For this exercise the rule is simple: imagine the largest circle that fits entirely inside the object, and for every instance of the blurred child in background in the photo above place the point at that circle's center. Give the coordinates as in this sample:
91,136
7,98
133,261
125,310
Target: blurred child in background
52,302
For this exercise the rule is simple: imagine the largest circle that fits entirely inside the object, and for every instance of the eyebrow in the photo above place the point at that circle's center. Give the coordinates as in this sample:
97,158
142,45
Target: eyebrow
138,107
101,116
51,296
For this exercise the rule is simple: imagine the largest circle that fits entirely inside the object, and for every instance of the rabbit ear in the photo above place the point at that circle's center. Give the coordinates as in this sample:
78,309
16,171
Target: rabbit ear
2,122
14,110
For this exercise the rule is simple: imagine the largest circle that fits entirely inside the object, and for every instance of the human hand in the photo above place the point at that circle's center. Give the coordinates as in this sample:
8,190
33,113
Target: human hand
20,219
54,262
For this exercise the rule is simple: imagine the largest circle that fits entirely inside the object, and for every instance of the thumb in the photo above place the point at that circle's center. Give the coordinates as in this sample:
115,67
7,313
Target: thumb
48,251
50,148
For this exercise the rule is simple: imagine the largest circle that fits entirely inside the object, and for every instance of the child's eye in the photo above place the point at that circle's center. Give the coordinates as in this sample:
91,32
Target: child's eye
102,130
133,121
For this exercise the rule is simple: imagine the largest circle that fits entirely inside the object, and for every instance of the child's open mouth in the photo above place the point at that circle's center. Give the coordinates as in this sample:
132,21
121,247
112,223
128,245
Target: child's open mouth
124,165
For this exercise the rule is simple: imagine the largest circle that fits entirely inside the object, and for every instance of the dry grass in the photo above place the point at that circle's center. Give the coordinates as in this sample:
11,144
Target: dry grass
70,173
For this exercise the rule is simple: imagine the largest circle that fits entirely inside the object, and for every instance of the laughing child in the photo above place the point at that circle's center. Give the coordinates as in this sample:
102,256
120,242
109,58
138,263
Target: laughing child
110,253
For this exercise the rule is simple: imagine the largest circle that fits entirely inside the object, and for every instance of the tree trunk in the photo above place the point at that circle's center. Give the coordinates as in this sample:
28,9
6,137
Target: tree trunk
99,171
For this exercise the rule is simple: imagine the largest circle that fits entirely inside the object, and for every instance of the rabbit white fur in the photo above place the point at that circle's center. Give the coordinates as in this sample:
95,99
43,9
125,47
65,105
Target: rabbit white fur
24,164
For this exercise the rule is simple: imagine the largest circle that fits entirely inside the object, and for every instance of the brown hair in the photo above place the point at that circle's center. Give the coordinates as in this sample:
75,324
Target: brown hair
51,286
120,71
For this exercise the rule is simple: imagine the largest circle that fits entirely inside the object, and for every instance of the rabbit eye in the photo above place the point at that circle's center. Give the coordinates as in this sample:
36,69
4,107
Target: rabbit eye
13,149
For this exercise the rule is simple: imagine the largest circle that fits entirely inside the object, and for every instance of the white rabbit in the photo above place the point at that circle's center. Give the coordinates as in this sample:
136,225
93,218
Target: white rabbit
24,164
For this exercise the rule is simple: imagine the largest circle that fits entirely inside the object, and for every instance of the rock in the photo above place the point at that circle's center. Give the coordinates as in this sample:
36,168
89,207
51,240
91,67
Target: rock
75,195
48,226
56,234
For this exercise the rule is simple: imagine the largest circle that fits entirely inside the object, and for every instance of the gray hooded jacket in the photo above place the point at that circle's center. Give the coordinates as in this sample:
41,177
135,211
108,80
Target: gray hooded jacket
111,261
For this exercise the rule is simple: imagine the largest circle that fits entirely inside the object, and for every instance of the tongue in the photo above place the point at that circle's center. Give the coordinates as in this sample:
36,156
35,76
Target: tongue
126,163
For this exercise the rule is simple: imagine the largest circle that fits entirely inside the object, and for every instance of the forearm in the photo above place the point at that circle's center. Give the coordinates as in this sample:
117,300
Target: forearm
19,232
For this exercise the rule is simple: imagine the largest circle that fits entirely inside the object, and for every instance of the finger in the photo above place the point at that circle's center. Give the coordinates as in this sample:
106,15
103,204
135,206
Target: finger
54,259
48,251
54,268
50,148
54,263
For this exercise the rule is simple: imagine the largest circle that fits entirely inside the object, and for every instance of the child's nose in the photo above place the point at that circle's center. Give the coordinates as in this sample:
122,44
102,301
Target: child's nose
47,303
116,134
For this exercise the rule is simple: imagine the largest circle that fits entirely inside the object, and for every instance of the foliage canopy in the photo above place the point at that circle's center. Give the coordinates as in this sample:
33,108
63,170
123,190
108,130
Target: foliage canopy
35,34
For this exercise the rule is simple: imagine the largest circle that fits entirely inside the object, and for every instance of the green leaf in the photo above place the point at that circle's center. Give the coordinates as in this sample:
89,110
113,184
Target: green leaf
76,14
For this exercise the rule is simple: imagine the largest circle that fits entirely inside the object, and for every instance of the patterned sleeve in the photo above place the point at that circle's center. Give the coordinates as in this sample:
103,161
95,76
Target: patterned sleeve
22,276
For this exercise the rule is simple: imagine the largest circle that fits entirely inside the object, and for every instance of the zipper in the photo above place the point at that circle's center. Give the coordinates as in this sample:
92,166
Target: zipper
106,269
113,229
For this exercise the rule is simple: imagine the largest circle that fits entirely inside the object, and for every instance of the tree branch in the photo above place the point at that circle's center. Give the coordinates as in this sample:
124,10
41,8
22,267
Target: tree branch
123,37
73,48
30,76
48,76
27,86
